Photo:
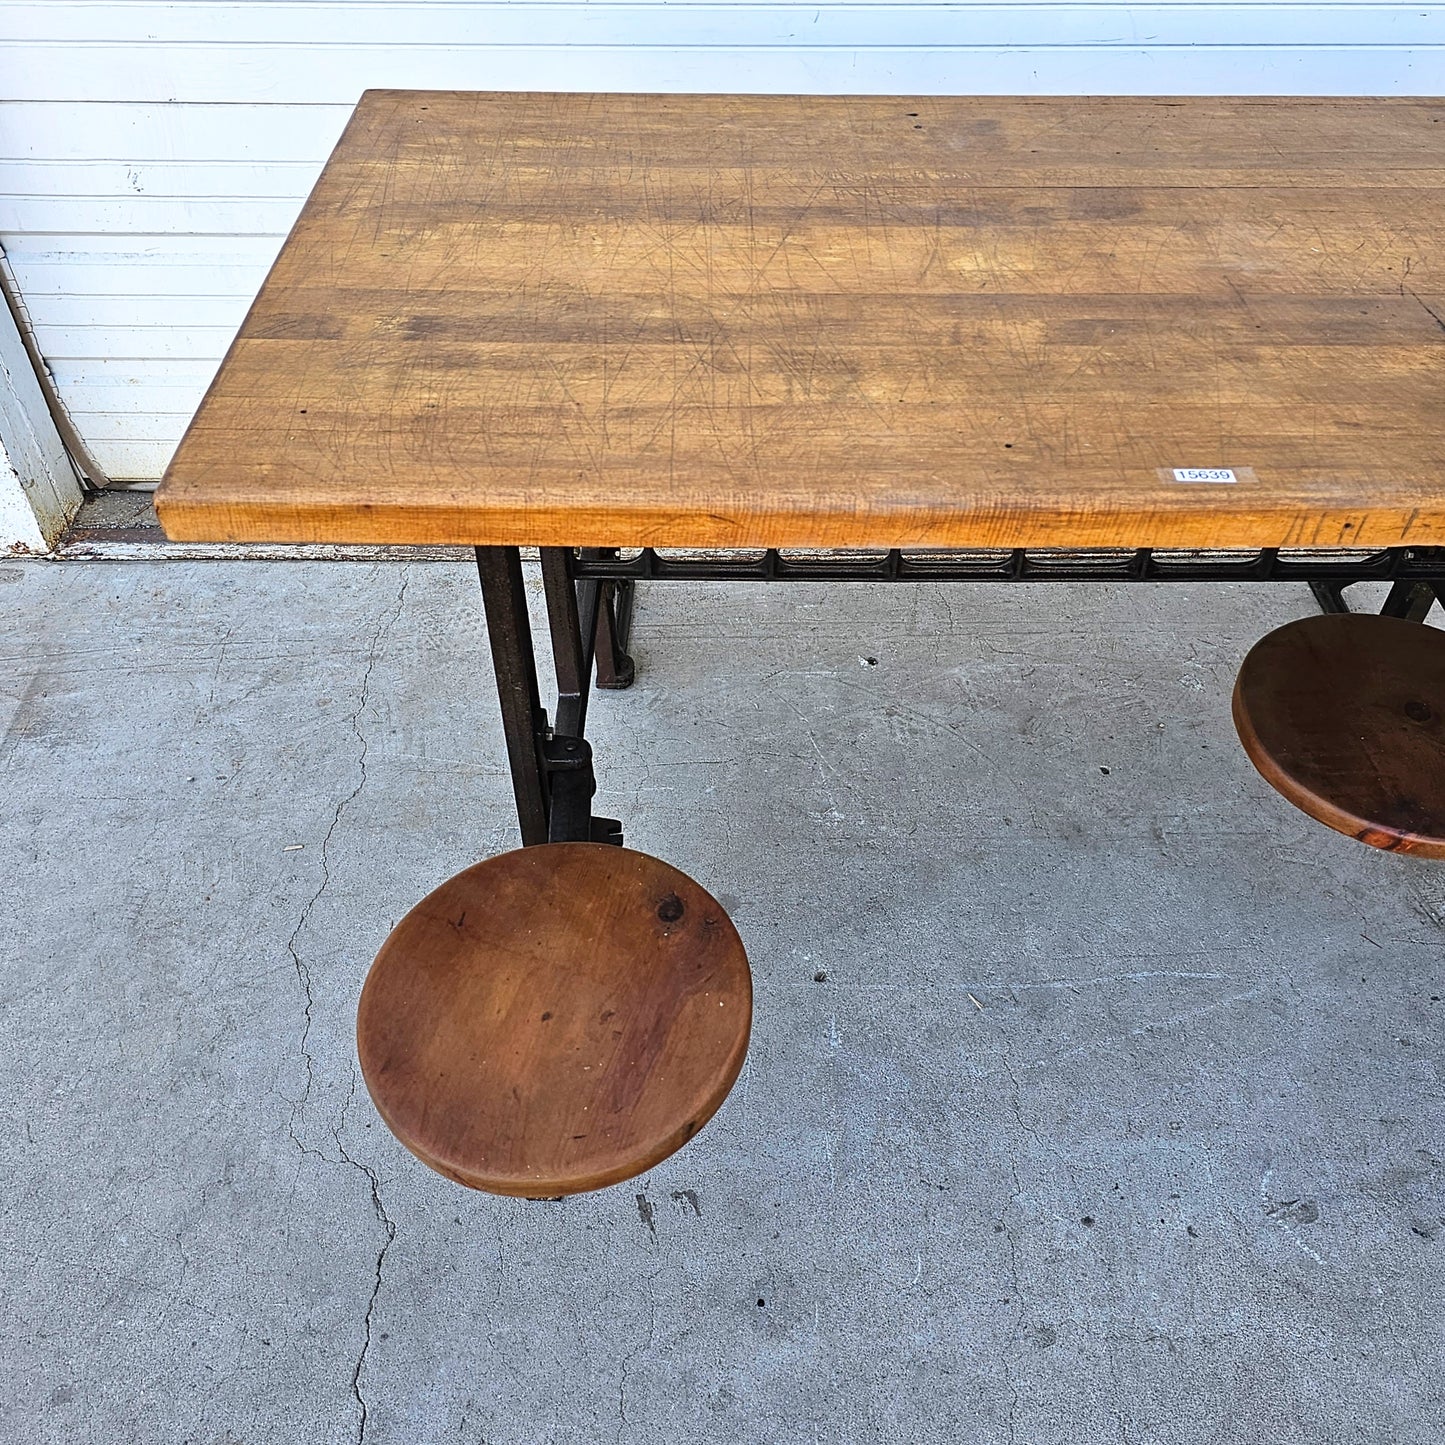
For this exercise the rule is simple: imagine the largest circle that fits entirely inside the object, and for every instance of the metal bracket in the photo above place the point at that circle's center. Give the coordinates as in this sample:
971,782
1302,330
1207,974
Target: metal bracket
1409,599
1107,564
571,786
613,627
615,667
551,761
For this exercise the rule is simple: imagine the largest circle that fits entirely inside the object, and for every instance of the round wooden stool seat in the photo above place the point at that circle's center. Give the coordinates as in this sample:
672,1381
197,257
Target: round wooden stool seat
1345,715
555,1019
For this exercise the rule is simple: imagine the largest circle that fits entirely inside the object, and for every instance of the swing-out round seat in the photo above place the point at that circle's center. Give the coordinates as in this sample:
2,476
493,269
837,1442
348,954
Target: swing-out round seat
1344,715
555,1019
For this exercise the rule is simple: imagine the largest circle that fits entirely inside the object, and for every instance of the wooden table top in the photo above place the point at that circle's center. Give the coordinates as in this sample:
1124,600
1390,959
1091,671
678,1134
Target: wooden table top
673,320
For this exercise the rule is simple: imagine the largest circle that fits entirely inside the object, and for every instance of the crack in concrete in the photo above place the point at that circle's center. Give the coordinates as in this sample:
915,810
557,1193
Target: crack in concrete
303,976
496,1293
628,1359
389,1228
303,972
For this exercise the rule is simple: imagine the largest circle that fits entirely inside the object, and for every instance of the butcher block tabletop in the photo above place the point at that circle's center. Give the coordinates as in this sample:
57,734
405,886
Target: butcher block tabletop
815,321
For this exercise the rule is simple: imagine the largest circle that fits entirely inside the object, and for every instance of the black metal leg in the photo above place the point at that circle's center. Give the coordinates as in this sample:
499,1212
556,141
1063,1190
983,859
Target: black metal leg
523,720
1330,596
615,668
625,595
1409,600
573,610
573,615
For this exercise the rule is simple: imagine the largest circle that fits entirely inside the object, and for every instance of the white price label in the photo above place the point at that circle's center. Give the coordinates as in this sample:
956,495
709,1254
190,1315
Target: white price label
1204,474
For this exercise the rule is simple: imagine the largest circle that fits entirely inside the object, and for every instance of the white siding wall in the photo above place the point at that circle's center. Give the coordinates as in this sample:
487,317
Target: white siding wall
152,156
38,491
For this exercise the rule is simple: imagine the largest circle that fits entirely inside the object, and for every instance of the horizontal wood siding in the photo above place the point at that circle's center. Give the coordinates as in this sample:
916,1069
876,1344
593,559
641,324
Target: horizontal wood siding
152,156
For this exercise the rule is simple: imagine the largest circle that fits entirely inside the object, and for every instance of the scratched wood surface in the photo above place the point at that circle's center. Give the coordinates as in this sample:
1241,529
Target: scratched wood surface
826,321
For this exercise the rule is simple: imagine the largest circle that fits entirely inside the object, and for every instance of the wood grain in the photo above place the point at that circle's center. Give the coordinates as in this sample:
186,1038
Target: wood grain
1345,716
555,1019
836,321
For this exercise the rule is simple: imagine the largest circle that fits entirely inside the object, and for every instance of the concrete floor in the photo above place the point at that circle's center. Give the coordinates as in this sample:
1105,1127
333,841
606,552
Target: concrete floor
1118,1117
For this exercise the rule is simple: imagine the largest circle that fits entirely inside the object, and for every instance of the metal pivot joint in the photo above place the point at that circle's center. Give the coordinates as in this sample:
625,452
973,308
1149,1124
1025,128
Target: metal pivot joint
572,784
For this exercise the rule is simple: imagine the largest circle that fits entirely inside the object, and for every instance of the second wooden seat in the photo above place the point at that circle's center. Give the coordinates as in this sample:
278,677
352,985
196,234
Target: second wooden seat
1344,715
